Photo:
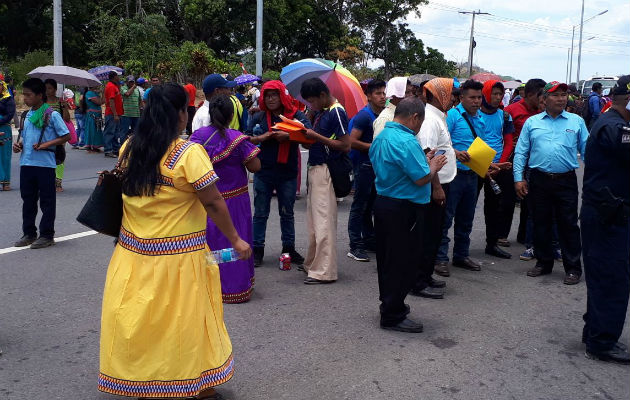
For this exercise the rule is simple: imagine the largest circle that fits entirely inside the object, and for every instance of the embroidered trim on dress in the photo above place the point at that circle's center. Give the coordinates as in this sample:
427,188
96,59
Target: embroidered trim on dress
229,194
208,179
231,298
175,388
165,180
190,242
252,155
176,154
228,150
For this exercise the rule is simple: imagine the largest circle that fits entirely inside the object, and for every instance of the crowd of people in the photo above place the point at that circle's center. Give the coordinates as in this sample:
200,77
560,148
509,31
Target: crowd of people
162,322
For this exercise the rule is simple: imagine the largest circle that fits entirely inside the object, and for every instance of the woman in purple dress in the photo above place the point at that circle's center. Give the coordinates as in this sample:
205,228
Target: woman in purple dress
231,154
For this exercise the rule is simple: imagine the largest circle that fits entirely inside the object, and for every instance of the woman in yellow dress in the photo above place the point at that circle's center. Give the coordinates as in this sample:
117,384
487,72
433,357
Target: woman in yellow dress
162,329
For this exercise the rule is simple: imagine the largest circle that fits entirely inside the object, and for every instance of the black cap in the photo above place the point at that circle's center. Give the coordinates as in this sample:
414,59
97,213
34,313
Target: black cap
622,87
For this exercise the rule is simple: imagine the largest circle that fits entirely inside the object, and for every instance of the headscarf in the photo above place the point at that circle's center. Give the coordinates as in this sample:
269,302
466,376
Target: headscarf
289,110
487,93
441,89
5,90
396,87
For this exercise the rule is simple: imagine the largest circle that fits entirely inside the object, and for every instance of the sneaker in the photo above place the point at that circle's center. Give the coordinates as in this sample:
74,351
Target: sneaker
527,255
25,241
359,255
259,254
296,258
42,242
557,255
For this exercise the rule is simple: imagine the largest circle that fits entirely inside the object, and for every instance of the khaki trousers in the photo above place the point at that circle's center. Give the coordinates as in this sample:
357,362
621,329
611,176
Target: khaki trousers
321,224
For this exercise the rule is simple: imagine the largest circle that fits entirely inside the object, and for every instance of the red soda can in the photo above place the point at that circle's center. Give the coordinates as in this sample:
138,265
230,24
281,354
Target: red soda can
285,261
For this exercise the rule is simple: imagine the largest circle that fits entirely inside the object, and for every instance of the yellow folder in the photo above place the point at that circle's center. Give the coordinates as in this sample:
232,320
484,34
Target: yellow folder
481,156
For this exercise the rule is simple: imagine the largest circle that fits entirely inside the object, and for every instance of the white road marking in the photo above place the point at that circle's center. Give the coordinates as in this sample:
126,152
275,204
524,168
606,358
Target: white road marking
57,239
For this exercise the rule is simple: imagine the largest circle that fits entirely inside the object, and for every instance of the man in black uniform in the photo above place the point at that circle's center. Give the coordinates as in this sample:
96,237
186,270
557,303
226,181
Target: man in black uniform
605,225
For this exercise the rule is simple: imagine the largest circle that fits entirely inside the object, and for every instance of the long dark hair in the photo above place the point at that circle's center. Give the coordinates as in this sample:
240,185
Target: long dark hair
83,103
157,128
221,111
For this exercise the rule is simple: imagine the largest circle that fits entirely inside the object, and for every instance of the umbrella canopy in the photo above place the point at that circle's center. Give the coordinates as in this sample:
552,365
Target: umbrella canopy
342,84
417,79
486,76
511,84
65,75
245,79
102,72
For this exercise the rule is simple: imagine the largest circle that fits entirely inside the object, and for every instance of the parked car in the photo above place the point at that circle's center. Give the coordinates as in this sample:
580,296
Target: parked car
606,81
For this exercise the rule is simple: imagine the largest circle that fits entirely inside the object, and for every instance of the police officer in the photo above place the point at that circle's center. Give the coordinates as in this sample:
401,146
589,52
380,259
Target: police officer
606,228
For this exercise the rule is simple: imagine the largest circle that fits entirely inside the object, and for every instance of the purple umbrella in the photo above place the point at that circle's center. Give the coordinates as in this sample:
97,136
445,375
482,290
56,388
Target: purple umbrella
245,79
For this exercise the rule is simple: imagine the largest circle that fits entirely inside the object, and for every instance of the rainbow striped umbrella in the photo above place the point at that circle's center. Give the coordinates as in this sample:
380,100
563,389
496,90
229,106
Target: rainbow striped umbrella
342,84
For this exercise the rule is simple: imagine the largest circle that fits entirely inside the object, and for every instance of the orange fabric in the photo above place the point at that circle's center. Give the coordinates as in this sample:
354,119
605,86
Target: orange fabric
487,89
441,88
289,110
192,93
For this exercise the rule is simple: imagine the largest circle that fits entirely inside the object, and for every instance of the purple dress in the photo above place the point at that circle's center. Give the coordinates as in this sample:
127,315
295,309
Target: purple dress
229,155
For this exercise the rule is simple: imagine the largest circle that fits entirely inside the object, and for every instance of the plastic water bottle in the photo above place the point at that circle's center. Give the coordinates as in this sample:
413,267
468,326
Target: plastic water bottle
225,255
495,186
257,130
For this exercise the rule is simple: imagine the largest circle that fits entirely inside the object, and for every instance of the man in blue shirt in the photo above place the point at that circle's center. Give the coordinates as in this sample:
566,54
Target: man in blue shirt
330,132
44,129
498,135
464,123
403,184
594,103
549,145
360,226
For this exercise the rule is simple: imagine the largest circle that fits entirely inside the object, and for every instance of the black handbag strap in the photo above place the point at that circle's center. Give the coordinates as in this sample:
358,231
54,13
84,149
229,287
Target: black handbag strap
470,125
44,126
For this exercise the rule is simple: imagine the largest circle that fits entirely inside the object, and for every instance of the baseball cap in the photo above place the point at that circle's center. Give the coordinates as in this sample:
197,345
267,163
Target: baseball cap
215,81
141,81
555,85
130,78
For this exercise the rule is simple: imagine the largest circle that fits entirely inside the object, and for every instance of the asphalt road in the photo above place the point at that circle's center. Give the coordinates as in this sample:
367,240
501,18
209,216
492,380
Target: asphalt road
498,334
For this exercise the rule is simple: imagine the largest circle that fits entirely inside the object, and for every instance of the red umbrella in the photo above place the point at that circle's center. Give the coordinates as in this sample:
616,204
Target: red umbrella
486,76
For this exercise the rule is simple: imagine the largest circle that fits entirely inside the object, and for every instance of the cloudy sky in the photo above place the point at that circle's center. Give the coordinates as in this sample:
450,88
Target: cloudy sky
529,38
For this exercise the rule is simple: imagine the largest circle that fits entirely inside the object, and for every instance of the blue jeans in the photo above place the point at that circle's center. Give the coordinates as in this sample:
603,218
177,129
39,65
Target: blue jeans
80,118
460,205
360,225
125,124
112,134
285,191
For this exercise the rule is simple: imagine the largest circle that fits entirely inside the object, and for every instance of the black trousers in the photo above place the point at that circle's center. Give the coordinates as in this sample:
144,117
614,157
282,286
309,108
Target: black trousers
191,114
398,229
606,253
497,208
431,239
38,183
555,195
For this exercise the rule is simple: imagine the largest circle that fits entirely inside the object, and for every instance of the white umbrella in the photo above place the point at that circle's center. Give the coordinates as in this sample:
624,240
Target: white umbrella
511,84
65,75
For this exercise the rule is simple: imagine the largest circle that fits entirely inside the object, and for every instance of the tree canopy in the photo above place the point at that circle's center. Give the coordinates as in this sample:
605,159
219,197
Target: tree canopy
182,37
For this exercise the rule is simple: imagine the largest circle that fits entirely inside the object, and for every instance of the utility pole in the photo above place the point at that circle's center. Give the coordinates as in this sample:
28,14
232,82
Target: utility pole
577,79
472,37
571,62
259,36
57,42
567,76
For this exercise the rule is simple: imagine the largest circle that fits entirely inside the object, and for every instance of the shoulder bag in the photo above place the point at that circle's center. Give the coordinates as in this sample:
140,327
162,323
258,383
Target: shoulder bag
340,169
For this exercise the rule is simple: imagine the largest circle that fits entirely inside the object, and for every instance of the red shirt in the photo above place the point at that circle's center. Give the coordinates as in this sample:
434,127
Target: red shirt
112,91
192,93
520,112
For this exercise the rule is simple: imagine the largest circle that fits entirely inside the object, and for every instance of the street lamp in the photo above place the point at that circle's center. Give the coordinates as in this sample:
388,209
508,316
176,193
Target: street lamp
570,51
577,78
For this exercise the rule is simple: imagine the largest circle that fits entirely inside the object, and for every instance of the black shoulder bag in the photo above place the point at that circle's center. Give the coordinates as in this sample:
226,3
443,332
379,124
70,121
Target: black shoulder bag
60,150
340,169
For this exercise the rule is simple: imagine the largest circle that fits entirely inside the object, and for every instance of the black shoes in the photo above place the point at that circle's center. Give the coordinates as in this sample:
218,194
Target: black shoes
313,281
434,283
42,242
25,241
405,325
259,254
537,271
296,258
441,268
571,279
503,243
467,263
429,293
618,354
498,252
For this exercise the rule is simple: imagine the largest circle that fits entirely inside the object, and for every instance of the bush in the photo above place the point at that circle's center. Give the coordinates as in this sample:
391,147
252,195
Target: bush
29,62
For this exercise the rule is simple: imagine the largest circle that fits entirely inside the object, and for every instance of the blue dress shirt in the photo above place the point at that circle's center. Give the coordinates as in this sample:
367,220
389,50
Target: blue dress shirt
550,144
398,161
461,135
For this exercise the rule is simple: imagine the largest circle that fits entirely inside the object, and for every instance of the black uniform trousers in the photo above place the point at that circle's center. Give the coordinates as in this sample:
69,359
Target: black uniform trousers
38,183
555,194
398,229
497,208
431,239
606,253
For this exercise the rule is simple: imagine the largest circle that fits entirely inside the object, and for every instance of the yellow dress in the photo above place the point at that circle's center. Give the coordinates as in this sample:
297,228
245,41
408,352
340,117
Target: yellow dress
162,329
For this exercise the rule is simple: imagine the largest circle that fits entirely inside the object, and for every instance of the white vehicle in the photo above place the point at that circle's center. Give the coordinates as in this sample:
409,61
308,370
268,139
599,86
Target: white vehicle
606,81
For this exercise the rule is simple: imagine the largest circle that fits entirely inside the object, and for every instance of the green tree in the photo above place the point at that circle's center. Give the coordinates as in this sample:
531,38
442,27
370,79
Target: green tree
30,61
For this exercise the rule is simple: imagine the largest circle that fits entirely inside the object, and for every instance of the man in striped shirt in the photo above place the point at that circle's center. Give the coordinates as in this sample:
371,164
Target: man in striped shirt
132,101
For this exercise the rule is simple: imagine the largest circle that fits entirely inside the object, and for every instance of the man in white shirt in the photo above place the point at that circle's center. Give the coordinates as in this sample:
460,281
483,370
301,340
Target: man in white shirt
212,85
397,89
434,135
